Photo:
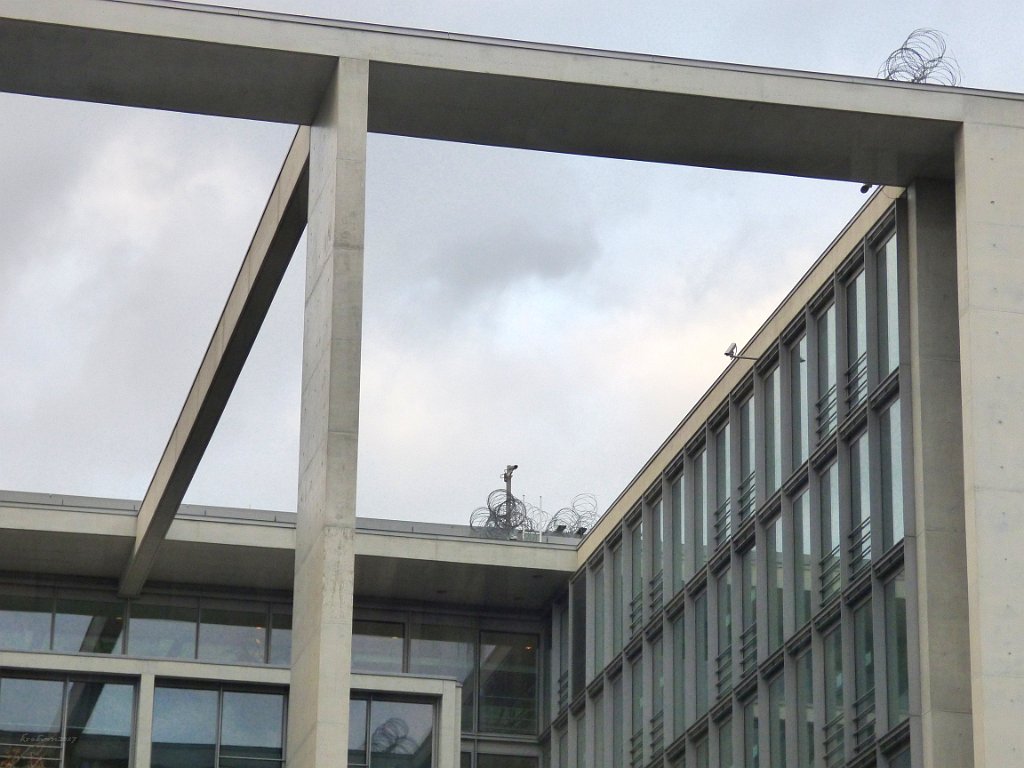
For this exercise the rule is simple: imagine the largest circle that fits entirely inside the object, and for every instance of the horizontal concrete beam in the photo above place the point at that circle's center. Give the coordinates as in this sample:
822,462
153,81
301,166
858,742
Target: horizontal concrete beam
270,251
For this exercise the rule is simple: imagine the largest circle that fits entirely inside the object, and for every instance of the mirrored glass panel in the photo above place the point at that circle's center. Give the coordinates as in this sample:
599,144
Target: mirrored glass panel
30,721
229,636
896,669
401,734
446,651
891,475
508,683
772,432
888,309
377,646
252,729
184,728
162,631
88,626
25,622
800,406
280,638
99,725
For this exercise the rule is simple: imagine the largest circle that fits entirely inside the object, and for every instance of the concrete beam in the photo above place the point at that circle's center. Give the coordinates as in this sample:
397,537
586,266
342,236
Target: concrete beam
269,254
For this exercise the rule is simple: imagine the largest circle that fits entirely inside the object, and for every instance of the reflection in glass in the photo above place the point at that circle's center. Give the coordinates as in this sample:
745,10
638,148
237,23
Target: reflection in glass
775,583
617,587
804,711
636,578
679,678
725,744
700,652
232,636
162,631
99,725
446,651
679,573
377,646
833,732
860,504
802,558
280,638
508,683
856,340
897,674
751,749
801,407
829,510
827,405
748,610
599,733
777,722
724,660
891,476
700,508
618,719
30,721
25,622
184,728
252,726
358,713
636,712
772,431
863,674
598,626
88,626
888,309
748,484
401,734
723,485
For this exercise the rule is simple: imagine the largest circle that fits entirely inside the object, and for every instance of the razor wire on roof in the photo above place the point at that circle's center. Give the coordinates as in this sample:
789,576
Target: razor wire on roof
923,58
506,515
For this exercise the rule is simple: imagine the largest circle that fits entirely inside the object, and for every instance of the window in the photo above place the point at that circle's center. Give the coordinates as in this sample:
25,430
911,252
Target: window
804,711
723,662
617,589
597,576
700,754
748,610
888,309
505,761
827,405
777,722
751,751
598,720
657,538
772,432
860,504
636,719
217,727
725,744
747,500
446,651
618,724
723,485
700,653
83,625
65,723
657,695
232,635
891,476
388,733
563,656
678,534
581,742
828,501
679,677
377,646
280,637
636,578
832,647
166,631
863,676
578,597
25,621
700,508
800,404
508,683
775,589
896,670
802,559
856,341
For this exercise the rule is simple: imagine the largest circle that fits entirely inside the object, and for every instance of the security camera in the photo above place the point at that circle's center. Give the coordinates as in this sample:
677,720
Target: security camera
731,351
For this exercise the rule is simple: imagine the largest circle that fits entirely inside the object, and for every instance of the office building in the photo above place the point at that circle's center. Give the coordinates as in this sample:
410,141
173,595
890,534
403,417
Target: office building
818,567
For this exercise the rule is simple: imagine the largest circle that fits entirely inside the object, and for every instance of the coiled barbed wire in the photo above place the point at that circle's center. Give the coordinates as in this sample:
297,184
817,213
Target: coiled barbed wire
923,58
503,517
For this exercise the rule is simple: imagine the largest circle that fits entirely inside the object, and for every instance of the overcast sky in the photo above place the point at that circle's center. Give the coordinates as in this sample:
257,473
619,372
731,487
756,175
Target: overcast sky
556,312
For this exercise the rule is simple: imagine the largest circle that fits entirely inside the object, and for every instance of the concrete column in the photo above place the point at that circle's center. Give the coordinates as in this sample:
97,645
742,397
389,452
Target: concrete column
942,716
143,745
990,267
325,537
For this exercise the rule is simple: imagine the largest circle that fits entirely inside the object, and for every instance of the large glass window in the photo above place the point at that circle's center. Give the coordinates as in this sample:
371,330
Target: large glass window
700,508
700,653
657,538
597,575
232,636
833,653
804,710
437,650
777,722
723,662
773,550
617,590
280,637
377,646
636,578
196,728
62,723
802,559
800,403
166,631
772,432
863,675
896,670
25,622
860,504
828,507
599,733
751,749
888,309
679,677
725,744
88,626
618,721
748,483
723,485
508,683
657,695
856,340
389,733
679,563
748,610
827,409
581,742
891,475
636,716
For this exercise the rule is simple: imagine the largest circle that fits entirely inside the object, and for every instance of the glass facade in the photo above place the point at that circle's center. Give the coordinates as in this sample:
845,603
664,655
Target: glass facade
385,732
